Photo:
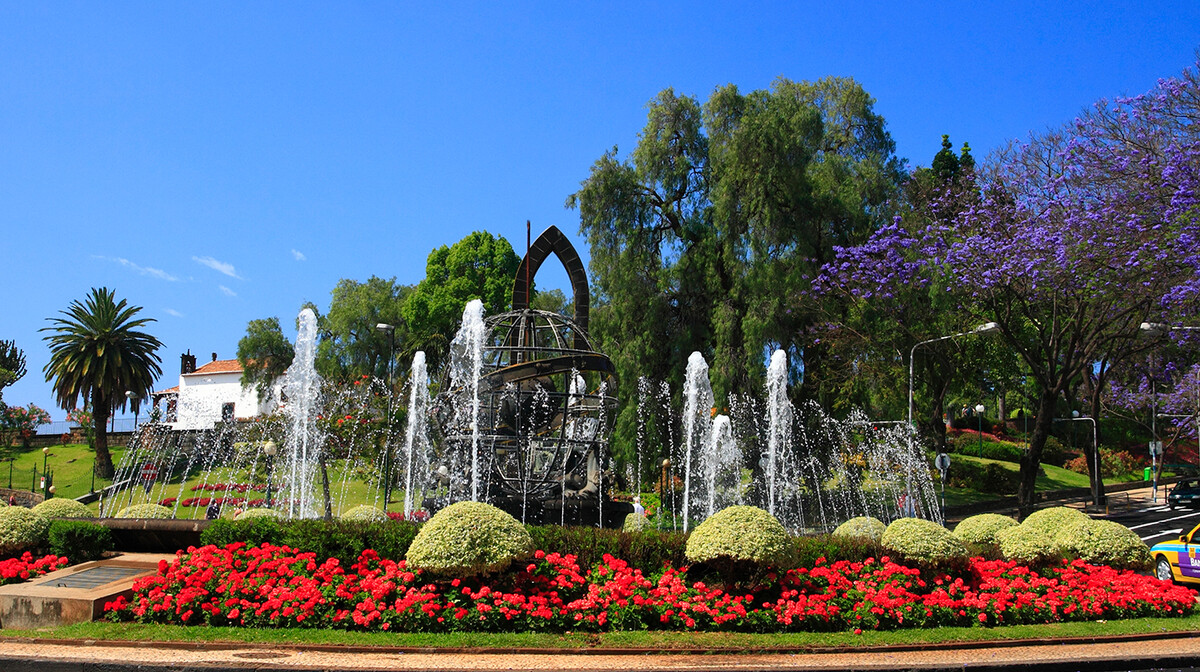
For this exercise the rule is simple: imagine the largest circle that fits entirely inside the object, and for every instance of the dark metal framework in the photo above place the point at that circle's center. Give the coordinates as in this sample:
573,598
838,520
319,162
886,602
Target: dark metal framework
547,401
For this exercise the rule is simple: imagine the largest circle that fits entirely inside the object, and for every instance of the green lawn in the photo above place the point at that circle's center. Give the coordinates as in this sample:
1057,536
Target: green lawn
1053,478
71,465
656,640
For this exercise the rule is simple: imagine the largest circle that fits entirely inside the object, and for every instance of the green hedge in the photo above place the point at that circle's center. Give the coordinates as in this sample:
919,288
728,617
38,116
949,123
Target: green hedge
79,540
741,534
21,530
341,539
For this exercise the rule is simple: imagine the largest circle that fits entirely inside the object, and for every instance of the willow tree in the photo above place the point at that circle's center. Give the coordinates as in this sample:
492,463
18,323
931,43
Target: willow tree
708,236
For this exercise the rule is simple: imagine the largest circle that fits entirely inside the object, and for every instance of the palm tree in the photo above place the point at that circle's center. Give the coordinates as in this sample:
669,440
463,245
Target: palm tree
97,353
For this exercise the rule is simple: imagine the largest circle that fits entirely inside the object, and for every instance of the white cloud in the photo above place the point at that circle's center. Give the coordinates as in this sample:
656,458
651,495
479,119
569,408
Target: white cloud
172,312
143,270
218,266
298,255
227,291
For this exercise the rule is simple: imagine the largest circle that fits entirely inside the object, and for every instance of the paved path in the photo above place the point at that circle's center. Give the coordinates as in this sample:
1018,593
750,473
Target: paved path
1166,653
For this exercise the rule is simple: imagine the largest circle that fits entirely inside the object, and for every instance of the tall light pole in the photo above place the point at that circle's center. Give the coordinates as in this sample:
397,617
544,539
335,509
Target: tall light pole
387,440
979,410
136,407
981,329
1075,417
1157,329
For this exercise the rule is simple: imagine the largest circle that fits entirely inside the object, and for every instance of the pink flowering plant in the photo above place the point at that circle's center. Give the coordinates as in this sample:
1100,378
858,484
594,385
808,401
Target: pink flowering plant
276,586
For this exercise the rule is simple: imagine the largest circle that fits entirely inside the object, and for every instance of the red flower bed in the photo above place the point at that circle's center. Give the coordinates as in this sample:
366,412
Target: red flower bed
16,570
274,586
227,487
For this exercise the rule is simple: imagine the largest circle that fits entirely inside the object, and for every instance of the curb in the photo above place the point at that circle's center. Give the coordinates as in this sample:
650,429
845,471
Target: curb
613,651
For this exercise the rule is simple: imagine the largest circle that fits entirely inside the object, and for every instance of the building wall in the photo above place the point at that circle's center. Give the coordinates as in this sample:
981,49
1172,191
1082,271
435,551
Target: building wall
202,396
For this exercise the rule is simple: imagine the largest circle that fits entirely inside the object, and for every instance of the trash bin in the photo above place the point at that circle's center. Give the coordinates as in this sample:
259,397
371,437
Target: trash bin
1146,475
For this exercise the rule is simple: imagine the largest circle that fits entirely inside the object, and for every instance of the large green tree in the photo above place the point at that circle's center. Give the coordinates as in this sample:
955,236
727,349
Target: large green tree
351,344
480,266
264,354
707,238
98,353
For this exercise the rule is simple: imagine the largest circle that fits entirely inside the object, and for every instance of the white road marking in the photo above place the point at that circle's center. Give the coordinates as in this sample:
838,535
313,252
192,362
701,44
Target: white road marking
1163,534
1166,520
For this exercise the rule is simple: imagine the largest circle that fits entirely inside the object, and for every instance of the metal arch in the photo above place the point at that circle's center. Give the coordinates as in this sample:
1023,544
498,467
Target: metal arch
553,240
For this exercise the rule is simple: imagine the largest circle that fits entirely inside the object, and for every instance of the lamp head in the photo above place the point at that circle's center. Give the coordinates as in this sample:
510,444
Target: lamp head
987,328
980,408
270,448
1154,328
383,326
1074,414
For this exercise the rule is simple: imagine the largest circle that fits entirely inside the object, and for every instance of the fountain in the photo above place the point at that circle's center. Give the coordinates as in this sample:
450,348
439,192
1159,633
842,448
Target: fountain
523,420
528,404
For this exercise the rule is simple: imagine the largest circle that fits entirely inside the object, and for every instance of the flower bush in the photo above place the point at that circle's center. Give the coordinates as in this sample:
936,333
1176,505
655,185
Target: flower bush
923,542
21,530
249,514
275,586
982,529
468,539
145,511
1054,520
741,534
1105,542
16,570
365,512
63,508
863,526
1027,545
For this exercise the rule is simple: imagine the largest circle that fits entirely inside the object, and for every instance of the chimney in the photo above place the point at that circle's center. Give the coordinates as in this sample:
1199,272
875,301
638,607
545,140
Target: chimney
214,356
187,363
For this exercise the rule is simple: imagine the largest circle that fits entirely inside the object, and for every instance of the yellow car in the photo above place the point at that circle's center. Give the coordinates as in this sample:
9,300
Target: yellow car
1178,560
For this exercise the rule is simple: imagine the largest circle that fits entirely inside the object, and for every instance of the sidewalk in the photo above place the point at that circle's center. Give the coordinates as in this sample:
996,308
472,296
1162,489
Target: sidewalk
1170,651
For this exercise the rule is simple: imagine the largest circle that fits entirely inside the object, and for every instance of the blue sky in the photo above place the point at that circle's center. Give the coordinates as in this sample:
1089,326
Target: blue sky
219,162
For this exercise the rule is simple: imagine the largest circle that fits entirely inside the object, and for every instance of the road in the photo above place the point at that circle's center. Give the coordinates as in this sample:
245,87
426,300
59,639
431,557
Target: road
1152,520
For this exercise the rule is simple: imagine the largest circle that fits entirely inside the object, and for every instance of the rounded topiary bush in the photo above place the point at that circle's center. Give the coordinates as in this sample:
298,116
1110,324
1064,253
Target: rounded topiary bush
366,513
635,522
863,526
1054,520
1103,542
923,541
741,534
63,508
468,539
21,530
1027,545
982,529
145,511
250,514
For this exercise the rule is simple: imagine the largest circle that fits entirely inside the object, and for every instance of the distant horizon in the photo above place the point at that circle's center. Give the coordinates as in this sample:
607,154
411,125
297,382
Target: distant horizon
221,163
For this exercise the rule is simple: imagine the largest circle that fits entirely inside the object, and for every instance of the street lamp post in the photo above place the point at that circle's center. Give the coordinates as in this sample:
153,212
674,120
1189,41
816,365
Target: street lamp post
45,472
981,329
979,410
270,449
1157,329
136,407
1075,417
387,441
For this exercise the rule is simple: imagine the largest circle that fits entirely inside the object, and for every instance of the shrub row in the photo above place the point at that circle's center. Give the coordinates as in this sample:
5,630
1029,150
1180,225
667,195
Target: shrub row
28,530
647,550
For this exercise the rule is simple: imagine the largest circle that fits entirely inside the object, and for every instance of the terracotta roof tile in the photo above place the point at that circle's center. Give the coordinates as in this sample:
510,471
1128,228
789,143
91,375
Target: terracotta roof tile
169,390
219,366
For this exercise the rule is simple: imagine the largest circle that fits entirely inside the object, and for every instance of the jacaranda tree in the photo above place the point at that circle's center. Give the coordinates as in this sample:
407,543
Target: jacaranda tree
98,353
1080,235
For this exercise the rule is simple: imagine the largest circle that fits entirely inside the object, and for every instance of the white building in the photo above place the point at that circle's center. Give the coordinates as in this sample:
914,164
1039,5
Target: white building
209,394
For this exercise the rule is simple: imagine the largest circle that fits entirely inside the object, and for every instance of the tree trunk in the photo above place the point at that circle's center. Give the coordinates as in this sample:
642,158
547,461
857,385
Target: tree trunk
100,413
1098,496
1031,461
1001,410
